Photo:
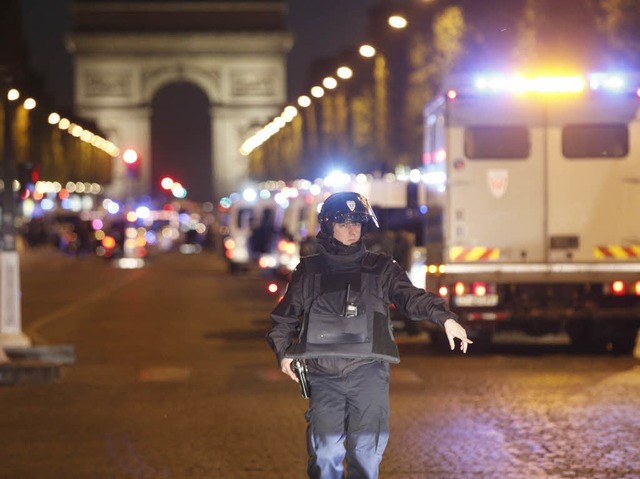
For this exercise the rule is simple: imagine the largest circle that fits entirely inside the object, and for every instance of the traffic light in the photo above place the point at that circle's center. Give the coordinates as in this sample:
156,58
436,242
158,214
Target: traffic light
166,183
171,186
132,161
28,176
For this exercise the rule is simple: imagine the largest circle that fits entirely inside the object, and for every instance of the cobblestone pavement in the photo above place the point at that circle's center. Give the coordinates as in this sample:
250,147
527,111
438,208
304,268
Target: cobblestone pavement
174,380
517,416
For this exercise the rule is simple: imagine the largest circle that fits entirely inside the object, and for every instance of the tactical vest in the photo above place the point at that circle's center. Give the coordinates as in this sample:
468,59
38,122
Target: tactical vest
346,314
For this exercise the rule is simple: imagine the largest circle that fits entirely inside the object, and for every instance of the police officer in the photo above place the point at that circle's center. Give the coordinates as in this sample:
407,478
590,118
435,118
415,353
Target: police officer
335,316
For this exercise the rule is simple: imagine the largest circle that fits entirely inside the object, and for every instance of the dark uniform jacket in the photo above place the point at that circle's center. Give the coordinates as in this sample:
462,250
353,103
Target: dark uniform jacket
384,283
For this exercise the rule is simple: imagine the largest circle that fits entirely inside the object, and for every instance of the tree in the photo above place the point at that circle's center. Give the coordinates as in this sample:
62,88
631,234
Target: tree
619,21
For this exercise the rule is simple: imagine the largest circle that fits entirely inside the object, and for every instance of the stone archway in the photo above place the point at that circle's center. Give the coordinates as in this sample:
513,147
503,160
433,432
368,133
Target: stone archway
124,52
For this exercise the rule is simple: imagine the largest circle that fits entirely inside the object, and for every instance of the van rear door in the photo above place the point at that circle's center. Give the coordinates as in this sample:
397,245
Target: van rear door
496,169
594,178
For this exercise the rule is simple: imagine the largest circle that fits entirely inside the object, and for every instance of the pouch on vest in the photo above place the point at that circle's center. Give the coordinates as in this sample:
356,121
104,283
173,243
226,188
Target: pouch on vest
337,316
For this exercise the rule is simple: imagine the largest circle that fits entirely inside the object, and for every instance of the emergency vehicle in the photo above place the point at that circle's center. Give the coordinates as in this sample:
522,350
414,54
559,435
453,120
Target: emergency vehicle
249,222
533,197
394,199
292,219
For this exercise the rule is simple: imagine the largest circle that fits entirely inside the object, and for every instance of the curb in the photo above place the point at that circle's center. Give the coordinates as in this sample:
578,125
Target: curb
22,373
35,364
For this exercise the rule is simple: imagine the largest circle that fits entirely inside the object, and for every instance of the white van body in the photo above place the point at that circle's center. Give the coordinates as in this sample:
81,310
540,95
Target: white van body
534,193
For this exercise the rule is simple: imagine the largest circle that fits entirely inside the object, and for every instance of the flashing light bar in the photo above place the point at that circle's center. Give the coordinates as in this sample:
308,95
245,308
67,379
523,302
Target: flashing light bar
519,84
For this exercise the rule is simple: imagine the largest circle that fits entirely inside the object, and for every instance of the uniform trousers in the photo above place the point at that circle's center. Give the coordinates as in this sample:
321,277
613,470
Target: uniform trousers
348,418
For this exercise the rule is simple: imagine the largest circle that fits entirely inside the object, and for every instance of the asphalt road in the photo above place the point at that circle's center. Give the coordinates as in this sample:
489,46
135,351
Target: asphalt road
173,379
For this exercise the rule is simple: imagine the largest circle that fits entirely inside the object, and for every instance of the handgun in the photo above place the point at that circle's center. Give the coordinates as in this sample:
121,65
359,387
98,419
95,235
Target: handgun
299,367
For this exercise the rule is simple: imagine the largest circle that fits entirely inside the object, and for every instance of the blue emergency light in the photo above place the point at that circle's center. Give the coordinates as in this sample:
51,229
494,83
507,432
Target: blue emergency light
520,84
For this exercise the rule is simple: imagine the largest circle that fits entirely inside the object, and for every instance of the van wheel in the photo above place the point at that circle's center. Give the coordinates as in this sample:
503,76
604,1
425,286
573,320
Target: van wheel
585,338
623,341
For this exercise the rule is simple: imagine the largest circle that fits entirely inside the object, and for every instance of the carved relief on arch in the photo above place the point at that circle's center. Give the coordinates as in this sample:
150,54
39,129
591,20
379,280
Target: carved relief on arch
254,83
154,78
103,83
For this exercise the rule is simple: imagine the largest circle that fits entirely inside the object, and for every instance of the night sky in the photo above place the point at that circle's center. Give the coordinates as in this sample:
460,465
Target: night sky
320,28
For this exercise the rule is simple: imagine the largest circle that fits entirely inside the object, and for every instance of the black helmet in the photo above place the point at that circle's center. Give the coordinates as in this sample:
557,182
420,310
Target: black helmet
346,207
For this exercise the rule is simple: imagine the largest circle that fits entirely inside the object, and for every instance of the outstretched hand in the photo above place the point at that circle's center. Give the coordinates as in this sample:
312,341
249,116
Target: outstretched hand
454,330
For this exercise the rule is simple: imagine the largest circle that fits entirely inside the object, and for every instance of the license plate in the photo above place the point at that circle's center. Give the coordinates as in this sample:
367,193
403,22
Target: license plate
468,300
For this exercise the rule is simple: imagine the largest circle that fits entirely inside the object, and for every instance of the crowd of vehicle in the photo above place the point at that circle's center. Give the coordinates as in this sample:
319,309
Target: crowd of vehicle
271,225
127,234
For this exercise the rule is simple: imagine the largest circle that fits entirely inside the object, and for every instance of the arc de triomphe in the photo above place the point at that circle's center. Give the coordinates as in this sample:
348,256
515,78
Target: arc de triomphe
126,51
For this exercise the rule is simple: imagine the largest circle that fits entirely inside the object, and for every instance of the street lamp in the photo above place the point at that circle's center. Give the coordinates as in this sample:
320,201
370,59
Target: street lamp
344,72
367,51
397,21
304,101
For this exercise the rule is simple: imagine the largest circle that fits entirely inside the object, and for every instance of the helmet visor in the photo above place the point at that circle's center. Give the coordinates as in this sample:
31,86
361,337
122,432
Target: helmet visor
361,218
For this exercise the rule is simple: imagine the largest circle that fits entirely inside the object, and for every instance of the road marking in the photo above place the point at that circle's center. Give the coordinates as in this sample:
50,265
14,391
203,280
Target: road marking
33,329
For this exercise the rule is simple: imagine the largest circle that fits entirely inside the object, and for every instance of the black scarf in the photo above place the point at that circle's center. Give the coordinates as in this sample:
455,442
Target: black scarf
333,246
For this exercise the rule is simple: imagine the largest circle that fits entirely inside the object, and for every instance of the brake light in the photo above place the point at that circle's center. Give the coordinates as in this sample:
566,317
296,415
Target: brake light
479,289
272,288
618,288
443,291
286,247
267,261
108,242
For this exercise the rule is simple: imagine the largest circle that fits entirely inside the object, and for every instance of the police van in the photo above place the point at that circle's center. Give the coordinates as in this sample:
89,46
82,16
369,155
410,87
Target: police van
533,197
250,222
